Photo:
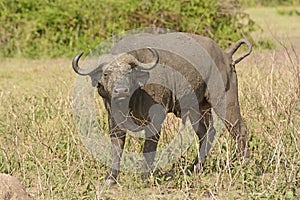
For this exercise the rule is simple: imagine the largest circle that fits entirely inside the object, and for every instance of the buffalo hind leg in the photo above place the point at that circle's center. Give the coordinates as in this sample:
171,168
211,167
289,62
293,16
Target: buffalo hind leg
238,130
206,133
233,119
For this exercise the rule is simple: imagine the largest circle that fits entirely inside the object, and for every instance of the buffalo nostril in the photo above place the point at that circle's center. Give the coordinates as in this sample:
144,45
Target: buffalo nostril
124,90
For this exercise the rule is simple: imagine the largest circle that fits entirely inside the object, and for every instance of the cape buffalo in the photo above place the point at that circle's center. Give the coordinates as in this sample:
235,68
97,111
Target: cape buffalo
147,76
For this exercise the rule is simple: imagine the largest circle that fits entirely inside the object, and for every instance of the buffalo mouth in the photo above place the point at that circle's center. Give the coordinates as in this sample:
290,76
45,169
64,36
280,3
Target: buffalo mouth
121,103
120,98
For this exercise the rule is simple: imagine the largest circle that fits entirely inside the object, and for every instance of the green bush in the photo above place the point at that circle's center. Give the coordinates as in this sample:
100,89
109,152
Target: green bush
55,28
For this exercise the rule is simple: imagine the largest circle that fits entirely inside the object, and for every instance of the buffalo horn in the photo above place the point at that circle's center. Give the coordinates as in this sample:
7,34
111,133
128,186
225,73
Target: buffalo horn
79,70
148,66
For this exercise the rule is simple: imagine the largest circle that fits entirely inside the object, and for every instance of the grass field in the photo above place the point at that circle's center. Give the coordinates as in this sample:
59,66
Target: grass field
40,144
276,24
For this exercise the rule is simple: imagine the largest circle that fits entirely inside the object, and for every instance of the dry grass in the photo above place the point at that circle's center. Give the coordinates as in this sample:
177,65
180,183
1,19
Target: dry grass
39,143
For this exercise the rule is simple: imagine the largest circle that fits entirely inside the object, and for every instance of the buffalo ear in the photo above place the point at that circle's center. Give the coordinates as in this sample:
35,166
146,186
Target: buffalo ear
95,77
141,77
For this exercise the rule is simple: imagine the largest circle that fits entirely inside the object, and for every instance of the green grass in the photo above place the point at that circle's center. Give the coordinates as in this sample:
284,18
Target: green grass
275,26
40,144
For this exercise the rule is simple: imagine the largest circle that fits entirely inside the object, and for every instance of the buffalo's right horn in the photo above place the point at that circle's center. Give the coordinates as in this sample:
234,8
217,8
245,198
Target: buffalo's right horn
79,70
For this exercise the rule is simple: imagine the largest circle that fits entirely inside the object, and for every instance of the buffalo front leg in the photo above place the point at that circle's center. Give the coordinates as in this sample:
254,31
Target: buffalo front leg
149,153
117,145
157,114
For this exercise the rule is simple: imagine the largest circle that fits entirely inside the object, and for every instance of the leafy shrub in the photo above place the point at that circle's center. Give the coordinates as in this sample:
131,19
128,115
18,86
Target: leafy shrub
61,28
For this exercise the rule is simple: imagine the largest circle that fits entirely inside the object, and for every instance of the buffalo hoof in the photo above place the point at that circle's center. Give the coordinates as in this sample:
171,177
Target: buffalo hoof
246,158
247,154
243,154
195,169
146,177
109,181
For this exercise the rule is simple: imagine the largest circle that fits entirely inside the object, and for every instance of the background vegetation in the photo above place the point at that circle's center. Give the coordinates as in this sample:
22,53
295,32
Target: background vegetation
61,28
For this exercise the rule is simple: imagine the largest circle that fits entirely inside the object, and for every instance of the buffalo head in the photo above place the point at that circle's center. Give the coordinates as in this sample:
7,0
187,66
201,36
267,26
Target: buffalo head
117,76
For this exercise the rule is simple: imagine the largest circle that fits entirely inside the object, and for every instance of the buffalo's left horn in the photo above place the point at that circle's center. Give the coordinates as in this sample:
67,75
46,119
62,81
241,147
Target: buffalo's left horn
148,66
79,70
